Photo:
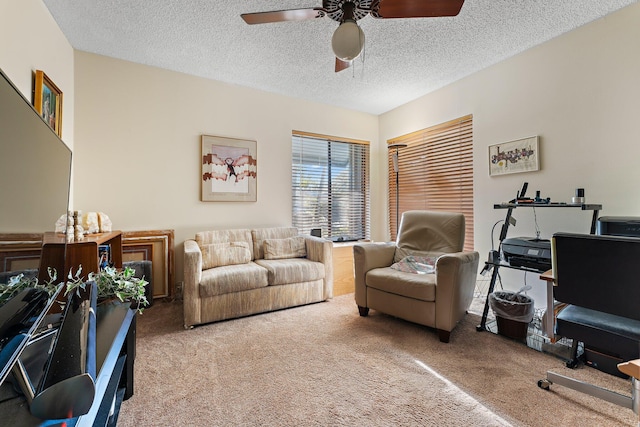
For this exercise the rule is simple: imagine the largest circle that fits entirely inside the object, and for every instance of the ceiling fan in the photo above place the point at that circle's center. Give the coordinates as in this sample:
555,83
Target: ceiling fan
348,39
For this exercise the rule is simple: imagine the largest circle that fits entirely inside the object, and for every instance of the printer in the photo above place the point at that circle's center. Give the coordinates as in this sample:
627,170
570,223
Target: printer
619,226
528,252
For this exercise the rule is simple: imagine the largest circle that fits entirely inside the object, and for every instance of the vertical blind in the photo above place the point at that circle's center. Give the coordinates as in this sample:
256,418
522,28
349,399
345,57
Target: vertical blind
330,186
435,172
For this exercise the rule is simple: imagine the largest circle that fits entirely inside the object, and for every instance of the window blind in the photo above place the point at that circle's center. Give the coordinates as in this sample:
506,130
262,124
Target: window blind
330,186
435,172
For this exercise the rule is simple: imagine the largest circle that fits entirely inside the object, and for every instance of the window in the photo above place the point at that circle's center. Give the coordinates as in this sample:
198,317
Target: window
330,186
435,172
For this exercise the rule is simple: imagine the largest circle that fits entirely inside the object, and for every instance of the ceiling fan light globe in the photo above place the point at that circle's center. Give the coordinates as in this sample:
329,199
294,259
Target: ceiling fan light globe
347,41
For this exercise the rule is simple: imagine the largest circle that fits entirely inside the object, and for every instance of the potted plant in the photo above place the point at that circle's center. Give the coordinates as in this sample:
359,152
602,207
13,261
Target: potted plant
112,283
17,283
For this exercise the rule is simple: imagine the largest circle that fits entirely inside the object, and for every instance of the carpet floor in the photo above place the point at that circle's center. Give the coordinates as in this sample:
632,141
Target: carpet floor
324,365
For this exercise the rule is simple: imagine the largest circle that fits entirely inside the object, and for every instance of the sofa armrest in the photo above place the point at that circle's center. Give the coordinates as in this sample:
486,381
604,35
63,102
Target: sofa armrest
321,250
192,276
367,256
456,275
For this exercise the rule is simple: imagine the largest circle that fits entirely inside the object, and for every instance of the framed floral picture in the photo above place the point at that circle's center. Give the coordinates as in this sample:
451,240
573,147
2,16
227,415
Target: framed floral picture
229,169
47,100
521,155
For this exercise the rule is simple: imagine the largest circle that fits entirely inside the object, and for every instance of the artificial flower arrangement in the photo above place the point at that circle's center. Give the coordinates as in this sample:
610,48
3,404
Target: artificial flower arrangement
112,283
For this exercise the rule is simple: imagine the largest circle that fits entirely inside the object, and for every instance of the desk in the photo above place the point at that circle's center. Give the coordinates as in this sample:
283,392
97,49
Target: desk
547,276
550,321
497,264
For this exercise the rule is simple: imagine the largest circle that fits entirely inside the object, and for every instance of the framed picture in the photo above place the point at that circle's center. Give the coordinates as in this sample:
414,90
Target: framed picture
229,169
47,100
521,155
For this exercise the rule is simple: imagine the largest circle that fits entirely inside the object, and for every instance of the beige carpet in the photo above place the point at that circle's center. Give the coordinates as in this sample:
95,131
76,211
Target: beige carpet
324,365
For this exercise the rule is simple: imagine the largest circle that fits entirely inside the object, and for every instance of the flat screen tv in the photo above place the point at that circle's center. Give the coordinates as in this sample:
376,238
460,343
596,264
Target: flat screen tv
35,171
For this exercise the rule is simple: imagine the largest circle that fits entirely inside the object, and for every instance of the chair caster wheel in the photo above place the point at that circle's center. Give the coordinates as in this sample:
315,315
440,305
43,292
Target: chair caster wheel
544,384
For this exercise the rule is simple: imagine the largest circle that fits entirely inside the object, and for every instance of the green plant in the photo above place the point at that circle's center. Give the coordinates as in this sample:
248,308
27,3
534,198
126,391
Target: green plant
112,283
20,282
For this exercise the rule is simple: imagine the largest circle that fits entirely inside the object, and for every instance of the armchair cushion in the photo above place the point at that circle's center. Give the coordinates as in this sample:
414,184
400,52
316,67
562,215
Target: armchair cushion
416,286
291,247
429,234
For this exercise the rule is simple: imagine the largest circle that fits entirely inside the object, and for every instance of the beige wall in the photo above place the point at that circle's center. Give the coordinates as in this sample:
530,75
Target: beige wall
137,156
31,40
137,129
580,93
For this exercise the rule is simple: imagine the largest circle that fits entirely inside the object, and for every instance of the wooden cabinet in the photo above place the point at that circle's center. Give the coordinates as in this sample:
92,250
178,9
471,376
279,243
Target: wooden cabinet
343,275
83,253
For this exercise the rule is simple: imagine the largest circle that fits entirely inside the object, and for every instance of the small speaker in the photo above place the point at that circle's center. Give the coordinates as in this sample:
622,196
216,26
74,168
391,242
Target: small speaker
317,232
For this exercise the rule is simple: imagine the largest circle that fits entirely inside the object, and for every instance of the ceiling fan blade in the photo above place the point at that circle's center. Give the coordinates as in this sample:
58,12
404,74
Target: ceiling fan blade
342,65
417,8
283,15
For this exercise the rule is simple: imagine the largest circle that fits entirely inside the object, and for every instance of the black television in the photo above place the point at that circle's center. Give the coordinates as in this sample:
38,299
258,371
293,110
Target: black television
35,173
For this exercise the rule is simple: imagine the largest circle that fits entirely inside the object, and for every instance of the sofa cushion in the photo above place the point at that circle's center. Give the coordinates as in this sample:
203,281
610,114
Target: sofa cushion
418,286
259,235
292,270
292,247
225,236
232,278
220,254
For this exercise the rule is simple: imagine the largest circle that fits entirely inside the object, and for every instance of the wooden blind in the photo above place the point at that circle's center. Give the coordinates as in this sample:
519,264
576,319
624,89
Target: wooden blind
435,172
330,186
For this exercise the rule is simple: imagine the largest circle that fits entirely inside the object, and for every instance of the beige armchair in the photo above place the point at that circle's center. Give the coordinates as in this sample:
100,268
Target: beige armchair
439,293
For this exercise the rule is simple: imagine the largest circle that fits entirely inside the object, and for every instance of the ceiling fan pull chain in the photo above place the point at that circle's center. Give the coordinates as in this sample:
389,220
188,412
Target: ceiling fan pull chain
363,57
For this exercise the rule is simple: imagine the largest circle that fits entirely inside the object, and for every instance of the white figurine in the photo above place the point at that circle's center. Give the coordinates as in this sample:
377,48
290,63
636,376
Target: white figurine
90,223
104,222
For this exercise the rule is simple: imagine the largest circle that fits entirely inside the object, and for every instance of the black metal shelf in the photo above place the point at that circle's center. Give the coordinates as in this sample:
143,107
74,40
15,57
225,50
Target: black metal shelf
582,206
510,206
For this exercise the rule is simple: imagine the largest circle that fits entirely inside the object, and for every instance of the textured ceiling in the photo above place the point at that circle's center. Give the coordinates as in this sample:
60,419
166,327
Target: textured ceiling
403,58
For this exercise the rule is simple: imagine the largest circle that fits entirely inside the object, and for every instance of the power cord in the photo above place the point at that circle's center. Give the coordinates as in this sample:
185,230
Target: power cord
535,220
493,254
492,230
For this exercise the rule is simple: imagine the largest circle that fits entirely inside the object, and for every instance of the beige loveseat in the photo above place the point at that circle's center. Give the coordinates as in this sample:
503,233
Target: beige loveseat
234,273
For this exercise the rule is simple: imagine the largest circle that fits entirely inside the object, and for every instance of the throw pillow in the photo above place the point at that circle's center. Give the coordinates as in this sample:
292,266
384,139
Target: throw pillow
221,254
292,247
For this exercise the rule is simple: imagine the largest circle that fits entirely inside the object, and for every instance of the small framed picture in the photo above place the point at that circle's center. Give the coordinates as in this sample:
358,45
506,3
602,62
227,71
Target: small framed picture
229,169
104,256
47,100
521,155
